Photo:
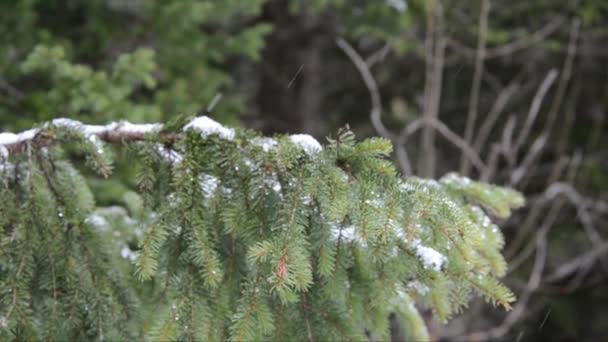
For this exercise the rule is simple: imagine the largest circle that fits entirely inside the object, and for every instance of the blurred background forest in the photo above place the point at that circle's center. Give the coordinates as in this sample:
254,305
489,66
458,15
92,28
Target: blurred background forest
510,92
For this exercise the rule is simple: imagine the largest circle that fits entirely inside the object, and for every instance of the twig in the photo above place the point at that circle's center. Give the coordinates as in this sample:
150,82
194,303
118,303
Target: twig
571,266
435,43
216,99
565,75
10,89
295,76
534,109
512,47
524,168
476,86
535,209
556,207
379,55
370,83
447,133
490,120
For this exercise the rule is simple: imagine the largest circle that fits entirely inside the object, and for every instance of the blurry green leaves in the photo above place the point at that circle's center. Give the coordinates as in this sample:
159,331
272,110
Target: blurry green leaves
84,92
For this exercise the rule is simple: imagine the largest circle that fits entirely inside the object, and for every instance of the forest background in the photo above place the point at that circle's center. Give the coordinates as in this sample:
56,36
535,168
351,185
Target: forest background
510,92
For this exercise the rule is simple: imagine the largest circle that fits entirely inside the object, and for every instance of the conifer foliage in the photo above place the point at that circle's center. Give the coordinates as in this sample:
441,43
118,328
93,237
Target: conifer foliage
231,235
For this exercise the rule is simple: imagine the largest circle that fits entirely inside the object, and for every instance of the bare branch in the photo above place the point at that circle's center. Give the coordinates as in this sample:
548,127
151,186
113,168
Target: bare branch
556,207
370,83
435,43
512,47
525,167
447,133
573,265
10,89
476,86
379,55
490,120
565,75
535,108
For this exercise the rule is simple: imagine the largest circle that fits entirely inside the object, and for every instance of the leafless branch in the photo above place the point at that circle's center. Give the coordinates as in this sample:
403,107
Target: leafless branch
378,56
10,89
535,209
435,43
476,86
370,83
525,167
573,265
555,209
517,45
490,120
447,133
565,75
534,109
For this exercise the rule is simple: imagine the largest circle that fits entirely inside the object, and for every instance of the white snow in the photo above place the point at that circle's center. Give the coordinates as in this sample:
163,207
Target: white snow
348,233
128,254
419,287
207,126
65,122
11,138
267,144
3,153
399,5
168,154
455,179
208,184
127,127
306,142
430,257
97,221
273,182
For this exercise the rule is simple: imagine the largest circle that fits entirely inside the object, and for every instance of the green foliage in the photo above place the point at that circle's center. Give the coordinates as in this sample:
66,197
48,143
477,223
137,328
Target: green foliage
244,238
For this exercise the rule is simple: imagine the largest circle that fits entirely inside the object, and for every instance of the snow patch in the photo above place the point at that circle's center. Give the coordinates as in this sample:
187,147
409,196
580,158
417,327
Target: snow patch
431,259
128,254
399,5
208,184
170,155
306,142
267,144
11,138
207,126
419,287
97,221
348,233
3,153
127,127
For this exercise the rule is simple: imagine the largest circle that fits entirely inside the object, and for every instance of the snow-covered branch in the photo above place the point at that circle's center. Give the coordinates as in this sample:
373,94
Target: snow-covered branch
126,131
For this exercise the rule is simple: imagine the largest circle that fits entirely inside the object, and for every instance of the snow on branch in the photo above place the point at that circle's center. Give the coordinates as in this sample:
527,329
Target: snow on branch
127,131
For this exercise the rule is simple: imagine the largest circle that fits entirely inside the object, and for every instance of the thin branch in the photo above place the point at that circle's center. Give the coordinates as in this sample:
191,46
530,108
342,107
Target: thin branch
534,109
435,43
565,75
447,133
525,167
535,209
476,86
517,45
573,265
113,132
556,207
10,89
379,55
370,83
492,117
